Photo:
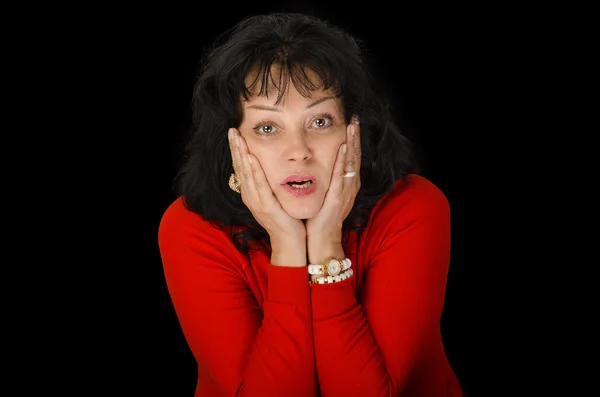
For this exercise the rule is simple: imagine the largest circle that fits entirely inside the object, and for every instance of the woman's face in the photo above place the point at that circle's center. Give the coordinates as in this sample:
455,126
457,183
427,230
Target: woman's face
297,139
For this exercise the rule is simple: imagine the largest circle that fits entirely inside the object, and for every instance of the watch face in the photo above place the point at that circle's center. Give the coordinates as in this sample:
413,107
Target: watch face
333,267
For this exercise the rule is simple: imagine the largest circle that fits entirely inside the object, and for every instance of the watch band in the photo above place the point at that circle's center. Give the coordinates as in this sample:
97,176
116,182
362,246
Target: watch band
332,279
331,267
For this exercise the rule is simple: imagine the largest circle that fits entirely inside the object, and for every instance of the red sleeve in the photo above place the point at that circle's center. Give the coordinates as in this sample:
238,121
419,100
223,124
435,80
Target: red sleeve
244,353
370,349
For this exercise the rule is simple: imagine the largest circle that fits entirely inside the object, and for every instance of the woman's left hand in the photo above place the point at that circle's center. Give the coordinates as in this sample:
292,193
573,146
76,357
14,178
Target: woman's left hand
339,199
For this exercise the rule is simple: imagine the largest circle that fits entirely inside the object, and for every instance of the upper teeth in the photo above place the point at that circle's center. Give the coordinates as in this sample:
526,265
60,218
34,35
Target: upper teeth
300,183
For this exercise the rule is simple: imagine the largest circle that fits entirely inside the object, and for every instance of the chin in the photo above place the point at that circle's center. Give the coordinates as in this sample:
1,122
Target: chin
301,208
300,213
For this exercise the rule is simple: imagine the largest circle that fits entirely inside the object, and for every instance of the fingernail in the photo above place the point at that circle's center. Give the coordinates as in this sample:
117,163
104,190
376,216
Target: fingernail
230,133
344,148
249,158
237,140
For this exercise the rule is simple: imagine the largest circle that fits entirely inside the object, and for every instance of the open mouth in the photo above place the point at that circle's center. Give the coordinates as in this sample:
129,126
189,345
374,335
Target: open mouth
300,184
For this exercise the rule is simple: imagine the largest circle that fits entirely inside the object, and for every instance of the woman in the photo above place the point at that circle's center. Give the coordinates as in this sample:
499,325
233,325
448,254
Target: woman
304,255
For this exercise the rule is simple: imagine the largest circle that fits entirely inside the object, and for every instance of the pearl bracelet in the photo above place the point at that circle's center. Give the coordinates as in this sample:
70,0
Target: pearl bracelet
332,279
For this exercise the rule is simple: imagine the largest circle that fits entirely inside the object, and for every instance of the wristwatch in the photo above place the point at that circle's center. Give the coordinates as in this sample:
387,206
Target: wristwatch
331,267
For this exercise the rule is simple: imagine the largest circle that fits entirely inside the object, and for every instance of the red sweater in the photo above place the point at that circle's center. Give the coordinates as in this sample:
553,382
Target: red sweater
260,330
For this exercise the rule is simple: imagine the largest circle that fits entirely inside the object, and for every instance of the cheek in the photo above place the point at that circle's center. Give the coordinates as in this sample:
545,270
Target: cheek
267,162
328,153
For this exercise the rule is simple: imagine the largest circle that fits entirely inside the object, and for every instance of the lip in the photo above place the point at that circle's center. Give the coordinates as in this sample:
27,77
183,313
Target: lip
301,192
299,177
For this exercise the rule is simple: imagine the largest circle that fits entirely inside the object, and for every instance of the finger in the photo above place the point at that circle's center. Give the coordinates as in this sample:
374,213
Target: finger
235,152
349,157
357,146
336,186
349,160
354,153
246,175
258,178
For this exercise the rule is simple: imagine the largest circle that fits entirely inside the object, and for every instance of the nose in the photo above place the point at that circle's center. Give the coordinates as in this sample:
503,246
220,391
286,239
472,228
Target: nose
297,148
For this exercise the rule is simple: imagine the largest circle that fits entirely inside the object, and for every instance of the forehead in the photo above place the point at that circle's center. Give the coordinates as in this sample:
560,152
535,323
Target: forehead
292,98
279,82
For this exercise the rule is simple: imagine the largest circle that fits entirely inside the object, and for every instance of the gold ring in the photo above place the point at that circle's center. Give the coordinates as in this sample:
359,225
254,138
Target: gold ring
235,184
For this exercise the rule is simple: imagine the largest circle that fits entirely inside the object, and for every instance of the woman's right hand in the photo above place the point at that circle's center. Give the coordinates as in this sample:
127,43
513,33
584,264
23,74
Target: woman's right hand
258,196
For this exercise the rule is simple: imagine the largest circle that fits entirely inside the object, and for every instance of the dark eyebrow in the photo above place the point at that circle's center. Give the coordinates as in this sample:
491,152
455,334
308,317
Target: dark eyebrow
276,109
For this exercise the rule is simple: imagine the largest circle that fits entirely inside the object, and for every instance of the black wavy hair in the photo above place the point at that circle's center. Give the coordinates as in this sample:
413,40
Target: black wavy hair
292,42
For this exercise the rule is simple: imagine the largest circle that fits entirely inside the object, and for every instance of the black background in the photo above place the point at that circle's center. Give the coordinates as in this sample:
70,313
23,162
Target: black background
137,69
